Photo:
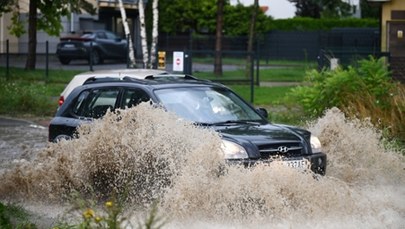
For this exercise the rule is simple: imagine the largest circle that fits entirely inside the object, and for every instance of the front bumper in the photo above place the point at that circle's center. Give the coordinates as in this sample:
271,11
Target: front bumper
317,162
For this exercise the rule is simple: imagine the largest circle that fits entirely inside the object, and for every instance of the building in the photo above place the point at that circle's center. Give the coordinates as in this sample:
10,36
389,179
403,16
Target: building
108,17
393,34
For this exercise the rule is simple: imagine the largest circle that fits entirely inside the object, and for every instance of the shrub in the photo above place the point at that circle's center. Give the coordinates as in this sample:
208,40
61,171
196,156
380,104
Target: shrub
364,90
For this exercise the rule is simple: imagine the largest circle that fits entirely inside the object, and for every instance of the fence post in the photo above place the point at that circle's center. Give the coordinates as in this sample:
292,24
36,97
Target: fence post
252,83
127,50
91,56
257,62
46,61
7,60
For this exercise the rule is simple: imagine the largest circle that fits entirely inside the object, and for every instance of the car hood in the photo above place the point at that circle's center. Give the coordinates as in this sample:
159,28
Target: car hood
262,134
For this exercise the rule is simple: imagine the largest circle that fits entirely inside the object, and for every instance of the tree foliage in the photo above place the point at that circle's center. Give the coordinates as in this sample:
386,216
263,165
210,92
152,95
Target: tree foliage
368,10
183,16
322,8
49,14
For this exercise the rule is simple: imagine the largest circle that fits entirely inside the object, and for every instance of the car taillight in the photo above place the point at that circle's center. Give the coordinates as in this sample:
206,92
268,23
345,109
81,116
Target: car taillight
61,100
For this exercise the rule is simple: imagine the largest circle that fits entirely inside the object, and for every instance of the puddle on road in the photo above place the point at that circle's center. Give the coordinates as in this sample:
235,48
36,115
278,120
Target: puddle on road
151,155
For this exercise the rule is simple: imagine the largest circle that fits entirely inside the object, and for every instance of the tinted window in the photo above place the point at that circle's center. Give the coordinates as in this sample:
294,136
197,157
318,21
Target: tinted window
111,36
133,97
95,103
101,35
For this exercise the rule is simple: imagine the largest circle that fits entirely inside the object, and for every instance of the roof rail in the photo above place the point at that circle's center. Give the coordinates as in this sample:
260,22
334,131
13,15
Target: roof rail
101,79
110,79
171,76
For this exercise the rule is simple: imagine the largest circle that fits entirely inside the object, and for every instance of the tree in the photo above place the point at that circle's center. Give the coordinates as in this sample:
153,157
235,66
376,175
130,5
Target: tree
127,34
218,38
144,43
322,8
43,15
155,33
5,6
368,10
149,61
199,16
251,38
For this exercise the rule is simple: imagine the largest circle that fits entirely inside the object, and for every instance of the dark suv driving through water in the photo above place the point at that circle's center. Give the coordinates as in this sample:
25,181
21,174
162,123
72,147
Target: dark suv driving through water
247,136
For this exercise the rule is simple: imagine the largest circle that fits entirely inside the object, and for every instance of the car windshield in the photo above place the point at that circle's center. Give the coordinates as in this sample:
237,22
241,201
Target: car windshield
207,105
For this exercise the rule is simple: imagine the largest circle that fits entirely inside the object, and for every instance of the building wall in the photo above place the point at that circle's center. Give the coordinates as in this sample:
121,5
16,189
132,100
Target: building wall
76,23
386,16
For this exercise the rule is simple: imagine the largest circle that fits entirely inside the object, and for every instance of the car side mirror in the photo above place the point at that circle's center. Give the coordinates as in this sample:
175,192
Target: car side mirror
263,112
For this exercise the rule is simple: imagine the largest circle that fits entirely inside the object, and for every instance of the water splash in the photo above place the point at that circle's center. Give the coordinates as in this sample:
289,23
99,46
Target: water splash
147,154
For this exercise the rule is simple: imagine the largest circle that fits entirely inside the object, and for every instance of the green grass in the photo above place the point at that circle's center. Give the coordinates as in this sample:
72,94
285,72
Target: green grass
14,216
266,96
54,75
289,74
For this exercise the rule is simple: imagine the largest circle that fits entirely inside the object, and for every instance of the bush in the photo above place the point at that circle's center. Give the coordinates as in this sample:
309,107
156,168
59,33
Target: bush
312,24
365,90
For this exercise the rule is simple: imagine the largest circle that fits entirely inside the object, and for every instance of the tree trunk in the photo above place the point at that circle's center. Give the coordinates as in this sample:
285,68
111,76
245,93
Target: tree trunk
144,42
127,35
218,38
32,36
155,34
251,39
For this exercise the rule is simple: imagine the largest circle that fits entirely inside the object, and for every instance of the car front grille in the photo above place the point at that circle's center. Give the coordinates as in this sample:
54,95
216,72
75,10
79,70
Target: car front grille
270,151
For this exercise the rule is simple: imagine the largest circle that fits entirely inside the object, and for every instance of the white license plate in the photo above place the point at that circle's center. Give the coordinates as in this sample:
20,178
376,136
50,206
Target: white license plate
301,164
69,46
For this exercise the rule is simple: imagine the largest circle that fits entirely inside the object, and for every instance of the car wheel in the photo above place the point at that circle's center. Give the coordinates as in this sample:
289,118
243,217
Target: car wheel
64,60
96,57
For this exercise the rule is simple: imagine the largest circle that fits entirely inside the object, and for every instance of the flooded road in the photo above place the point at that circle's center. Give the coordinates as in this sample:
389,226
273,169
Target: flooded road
149,155
20,139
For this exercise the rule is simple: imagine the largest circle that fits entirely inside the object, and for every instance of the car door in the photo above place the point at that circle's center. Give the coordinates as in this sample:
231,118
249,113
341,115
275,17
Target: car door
88,105
96,103
134,96
116,46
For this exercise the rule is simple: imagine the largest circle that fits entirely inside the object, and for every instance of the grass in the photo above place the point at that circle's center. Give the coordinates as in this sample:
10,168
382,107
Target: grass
14,216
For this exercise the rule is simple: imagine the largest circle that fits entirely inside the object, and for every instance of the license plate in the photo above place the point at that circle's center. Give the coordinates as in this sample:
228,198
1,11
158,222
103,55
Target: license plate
301,164
69,46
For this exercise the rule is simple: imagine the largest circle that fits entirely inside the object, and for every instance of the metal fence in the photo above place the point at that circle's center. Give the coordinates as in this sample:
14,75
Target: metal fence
346,44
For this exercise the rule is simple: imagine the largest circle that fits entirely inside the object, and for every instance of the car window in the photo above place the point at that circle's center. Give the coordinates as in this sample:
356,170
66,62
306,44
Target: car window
133,97
111,36
95,103
101,35
206,105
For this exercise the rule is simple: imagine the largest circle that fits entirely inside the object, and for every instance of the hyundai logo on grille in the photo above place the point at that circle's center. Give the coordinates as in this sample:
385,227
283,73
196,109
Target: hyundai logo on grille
282,149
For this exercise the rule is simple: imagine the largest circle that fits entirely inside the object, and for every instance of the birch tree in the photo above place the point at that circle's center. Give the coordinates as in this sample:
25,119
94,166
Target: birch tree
144,42
127,35
155,33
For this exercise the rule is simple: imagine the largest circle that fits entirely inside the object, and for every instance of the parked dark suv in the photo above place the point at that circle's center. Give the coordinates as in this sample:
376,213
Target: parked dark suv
95,46
247,136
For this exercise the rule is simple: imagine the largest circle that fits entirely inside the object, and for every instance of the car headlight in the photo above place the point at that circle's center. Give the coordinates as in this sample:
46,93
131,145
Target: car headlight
316,145
232,150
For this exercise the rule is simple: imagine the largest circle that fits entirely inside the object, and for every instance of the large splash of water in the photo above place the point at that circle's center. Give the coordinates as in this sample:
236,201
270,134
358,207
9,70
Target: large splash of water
146,154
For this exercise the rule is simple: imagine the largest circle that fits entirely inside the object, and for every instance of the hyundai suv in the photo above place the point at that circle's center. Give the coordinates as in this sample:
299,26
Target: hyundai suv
247,136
